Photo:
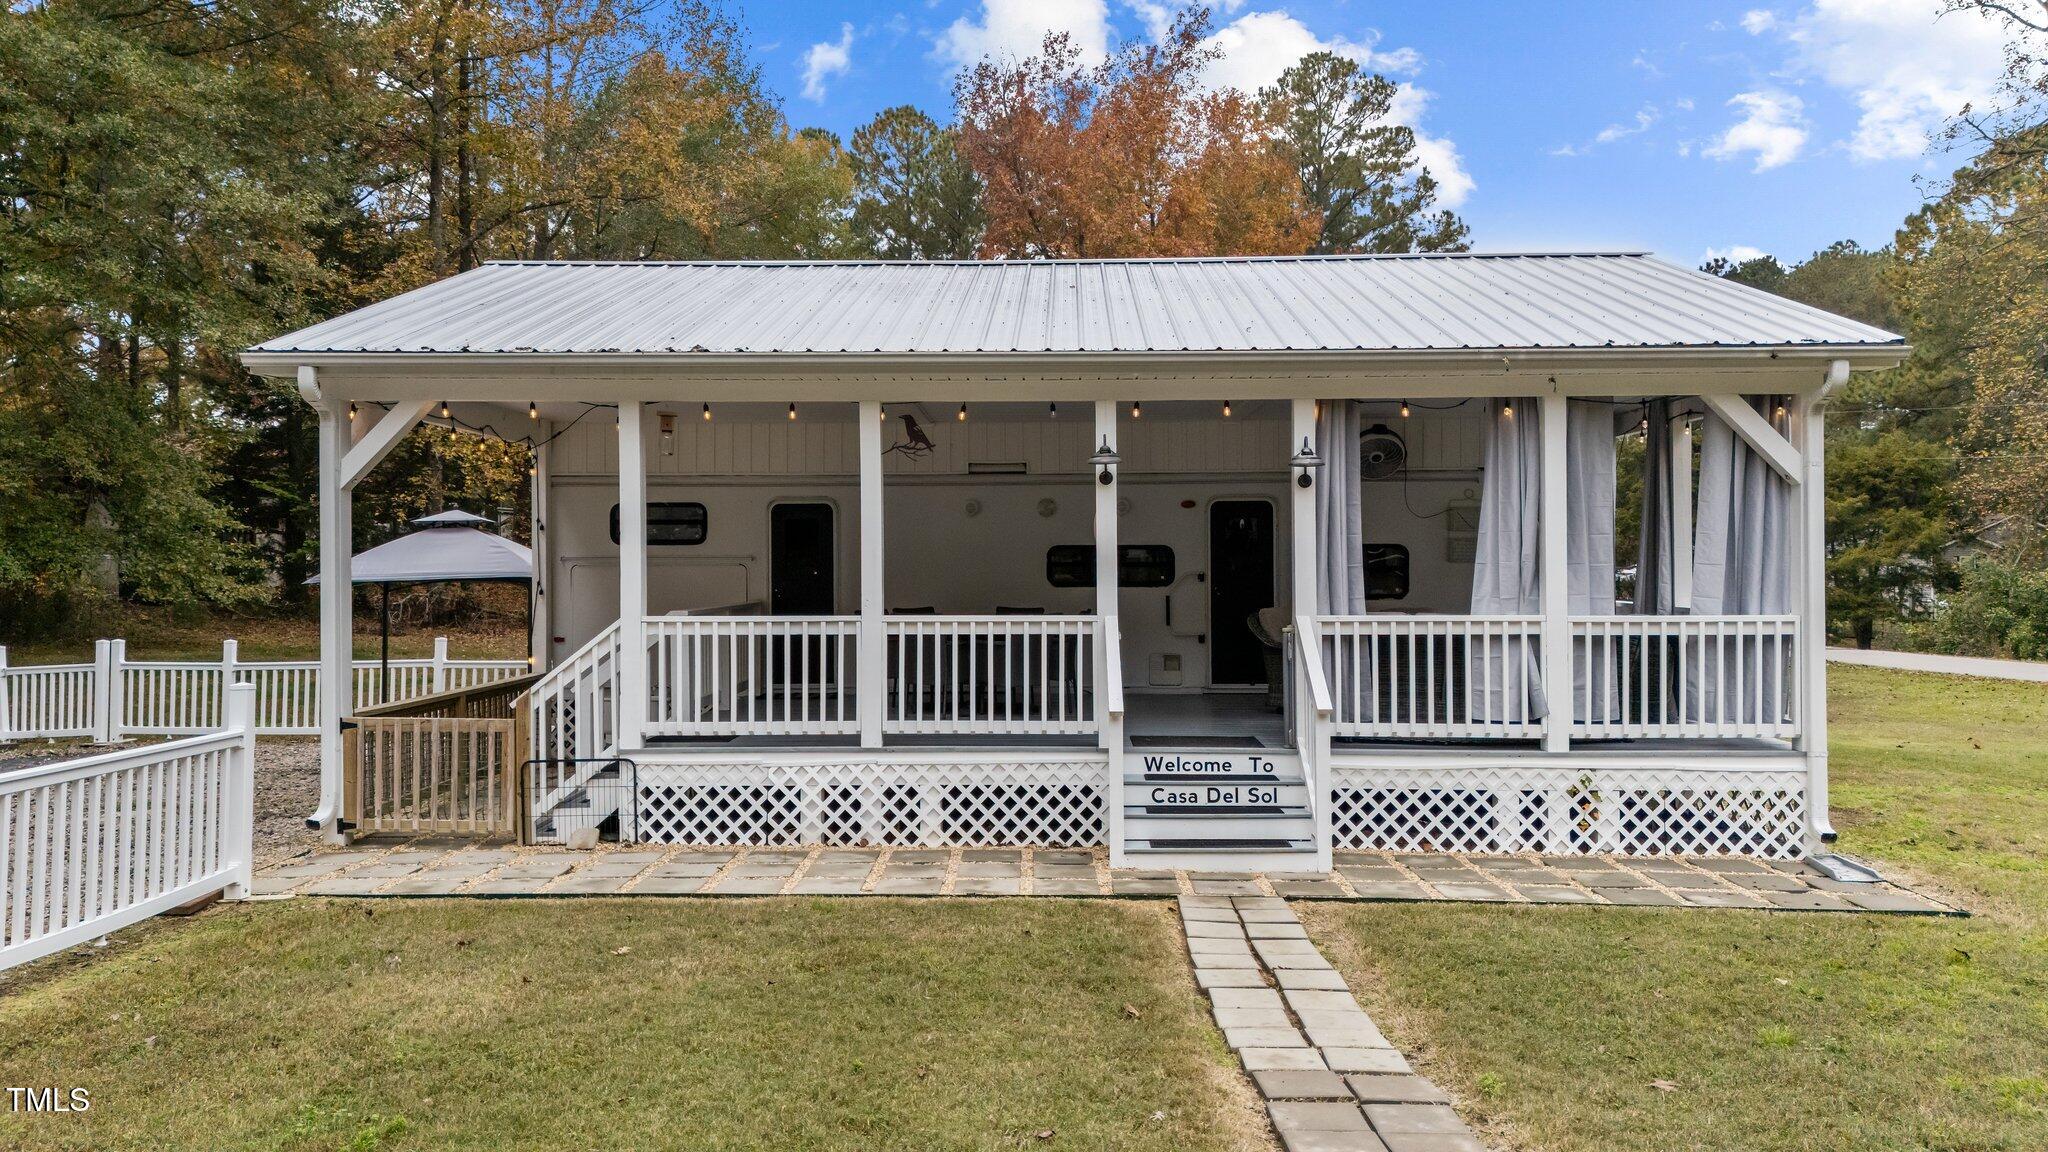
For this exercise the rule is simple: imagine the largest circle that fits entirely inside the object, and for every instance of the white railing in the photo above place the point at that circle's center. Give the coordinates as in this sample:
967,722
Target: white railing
89,846
1314,709
574,709
990,674
752,675
1685,676
1434,677
114,697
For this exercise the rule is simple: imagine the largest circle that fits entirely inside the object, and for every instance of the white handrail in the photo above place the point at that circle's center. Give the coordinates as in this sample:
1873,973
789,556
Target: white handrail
91,845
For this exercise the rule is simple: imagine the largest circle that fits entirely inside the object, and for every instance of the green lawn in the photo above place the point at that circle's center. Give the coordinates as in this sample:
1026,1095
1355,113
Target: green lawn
627,1024
1584,1029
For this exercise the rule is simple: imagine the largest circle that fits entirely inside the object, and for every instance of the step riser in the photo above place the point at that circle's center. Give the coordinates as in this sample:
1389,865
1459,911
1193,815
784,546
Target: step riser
1197,762
1223,861
1156,794
1217,828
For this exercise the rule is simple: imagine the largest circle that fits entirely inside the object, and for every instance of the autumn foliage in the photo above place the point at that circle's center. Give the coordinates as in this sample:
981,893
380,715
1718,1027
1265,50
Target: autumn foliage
1127,157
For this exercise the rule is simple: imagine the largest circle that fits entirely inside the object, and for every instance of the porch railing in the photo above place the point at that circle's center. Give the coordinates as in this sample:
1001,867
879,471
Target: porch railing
1685,676
1024,675
442,763
1434,677
752,675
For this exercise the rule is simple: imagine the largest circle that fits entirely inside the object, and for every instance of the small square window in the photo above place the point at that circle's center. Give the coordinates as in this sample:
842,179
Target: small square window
670,522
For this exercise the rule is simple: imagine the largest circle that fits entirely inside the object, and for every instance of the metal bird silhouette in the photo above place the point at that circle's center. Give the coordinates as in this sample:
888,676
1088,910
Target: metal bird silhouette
919,444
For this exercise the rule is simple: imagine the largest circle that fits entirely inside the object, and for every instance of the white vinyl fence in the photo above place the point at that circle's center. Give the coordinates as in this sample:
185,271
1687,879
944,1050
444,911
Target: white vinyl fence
92,845
114,697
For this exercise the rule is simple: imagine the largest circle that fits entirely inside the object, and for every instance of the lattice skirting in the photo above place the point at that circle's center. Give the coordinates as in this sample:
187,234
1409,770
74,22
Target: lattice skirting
1631,811
1039,803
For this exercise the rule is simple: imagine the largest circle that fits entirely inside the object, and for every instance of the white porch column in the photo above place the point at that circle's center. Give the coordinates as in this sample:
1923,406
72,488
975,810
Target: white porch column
540,650
1301,531
632,675
1811,601
337,605
1556,603
1681,516
1106,558
871,666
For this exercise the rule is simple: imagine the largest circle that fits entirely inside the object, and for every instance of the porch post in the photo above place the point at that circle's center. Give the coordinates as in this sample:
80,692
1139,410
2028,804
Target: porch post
1302,518
540,652
1556,602
1106,570
337,606
632,674
871,665
1812,600
1681,517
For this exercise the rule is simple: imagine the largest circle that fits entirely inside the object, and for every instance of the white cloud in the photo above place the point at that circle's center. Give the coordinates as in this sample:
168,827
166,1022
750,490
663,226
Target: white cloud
1256,47
1908,67
1015,29
1735,253
825,59
1758,21
1772,128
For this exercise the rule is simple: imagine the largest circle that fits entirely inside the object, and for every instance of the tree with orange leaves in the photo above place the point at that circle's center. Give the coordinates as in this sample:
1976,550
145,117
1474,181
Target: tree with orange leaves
1127,157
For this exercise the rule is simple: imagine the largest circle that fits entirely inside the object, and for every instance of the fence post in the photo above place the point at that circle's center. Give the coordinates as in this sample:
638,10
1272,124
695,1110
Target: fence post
240,833
230,656
6,708
440,664
106,691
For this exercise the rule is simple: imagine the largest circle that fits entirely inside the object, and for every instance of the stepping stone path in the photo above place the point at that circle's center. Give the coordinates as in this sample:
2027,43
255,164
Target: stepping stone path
1331,1080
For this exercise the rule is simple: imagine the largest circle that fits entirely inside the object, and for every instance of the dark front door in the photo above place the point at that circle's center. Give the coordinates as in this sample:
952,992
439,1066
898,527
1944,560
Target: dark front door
800,560
1240,583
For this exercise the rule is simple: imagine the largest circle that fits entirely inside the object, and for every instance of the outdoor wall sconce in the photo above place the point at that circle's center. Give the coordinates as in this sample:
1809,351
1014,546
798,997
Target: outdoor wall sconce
1106,460
1305,463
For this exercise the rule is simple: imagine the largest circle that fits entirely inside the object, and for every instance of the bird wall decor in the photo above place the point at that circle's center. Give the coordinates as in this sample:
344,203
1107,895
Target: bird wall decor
918,444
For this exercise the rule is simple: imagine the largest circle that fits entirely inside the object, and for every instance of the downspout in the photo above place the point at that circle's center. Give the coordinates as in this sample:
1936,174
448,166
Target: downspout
1814,724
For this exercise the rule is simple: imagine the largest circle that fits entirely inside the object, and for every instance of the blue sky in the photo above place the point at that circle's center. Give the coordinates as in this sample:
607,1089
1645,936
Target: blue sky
1674,126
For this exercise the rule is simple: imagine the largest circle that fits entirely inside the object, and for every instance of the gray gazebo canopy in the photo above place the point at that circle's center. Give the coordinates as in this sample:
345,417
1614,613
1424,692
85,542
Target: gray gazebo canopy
448,547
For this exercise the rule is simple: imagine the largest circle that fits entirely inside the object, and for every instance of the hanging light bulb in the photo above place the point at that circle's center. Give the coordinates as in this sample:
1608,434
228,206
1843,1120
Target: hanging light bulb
707,413
792,410
532,464
1053,410
963,413
1507,408
351,411
1404,409
444,411
1226,408
1137,409
1781,411
532,410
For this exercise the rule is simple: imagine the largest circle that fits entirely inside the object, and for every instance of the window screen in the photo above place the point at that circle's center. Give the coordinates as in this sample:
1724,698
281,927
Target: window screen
670,523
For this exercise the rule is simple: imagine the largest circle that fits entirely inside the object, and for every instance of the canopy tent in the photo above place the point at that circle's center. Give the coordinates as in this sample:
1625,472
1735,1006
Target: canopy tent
448,547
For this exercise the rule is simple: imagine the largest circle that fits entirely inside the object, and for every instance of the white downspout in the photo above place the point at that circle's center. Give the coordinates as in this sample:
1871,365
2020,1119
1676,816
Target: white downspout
1813,661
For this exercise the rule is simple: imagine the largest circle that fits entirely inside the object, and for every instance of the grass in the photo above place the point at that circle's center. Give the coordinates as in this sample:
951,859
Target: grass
623,1024
1582,1029
158,636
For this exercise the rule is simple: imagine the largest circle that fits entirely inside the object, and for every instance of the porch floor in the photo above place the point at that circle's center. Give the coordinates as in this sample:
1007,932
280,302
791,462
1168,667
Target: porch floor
441,866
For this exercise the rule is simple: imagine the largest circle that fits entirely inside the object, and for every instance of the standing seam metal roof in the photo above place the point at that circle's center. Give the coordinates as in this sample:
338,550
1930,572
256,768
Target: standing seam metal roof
1463,301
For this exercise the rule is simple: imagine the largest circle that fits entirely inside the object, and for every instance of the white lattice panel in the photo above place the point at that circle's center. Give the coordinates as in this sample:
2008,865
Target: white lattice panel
1057,803
1633,811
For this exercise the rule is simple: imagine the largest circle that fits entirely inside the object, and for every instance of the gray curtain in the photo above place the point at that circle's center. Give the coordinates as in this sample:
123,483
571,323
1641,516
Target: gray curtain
1507,575
1656,584
1340,582
1507,571
1741,561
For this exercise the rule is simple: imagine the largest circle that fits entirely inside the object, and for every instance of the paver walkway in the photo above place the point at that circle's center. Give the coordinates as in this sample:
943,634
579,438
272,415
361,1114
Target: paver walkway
444,867
1332,1081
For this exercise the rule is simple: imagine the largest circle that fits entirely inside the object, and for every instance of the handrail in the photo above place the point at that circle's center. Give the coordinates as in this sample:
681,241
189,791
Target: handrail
1309,639
458,699
58,771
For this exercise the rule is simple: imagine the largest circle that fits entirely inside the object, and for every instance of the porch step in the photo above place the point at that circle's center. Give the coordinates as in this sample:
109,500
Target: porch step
1277,854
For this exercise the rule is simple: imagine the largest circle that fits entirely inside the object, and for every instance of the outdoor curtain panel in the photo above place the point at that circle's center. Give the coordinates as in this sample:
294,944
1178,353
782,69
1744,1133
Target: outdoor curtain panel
1507,574
1340,585
1741,567
1657,550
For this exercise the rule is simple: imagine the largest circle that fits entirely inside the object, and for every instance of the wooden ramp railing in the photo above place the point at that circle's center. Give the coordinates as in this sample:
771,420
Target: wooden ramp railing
447,763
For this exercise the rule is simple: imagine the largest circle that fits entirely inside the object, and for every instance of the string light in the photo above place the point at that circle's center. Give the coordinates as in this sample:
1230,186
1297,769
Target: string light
1226,408
1137,409
707,413
351,411
1053,410
963,413
532,410
1507,408
792,410
1404,409
444,411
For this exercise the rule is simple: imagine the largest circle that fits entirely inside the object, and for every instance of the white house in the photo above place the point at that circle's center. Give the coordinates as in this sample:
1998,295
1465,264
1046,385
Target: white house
976,552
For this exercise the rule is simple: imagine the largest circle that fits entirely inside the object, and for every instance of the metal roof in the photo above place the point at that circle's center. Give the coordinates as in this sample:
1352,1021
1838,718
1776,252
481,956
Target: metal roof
1465,301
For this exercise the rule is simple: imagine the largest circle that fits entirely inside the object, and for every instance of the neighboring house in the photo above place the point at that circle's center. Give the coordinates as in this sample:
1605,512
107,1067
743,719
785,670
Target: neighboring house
1223,563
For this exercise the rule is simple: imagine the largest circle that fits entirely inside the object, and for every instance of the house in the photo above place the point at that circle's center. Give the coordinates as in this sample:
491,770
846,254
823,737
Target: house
1220,563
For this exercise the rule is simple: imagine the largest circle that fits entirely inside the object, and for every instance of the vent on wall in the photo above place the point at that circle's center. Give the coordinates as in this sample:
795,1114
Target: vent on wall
995,467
